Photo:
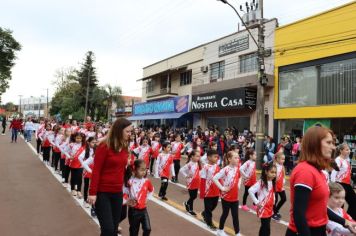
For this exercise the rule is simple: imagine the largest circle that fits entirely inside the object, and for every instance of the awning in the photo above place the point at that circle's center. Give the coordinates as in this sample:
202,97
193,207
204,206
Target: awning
157,116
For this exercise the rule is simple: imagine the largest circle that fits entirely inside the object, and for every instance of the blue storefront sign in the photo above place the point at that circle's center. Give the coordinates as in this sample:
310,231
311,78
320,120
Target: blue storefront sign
171,105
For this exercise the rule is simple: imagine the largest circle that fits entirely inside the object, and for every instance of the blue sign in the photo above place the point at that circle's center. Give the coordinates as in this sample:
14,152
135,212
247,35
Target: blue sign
176,104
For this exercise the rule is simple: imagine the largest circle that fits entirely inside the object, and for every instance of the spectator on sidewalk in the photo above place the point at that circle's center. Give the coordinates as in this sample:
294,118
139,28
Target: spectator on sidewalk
15,127
3,123
29,128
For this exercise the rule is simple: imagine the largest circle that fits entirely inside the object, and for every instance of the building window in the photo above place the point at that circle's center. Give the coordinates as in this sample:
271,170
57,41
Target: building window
217,71
149,86
248,63
186,78
320,84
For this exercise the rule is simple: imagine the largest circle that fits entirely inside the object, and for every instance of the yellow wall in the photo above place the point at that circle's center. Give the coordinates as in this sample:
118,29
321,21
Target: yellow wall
291,46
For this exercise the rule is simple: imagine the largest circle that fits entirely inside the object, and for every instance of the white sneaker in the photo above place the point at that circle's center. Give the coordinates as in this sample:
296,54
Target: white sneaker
221,232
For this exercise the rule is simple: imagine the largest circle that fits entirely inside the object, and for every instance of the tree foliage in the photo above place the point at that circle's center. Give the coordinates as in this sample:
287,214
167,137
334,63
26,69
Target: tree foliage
8,48
71,88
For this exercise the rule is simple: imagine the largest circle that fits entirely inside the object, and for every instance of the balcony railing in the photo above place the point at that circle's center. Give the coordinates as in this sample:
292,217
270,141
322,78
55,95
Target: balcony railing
163,91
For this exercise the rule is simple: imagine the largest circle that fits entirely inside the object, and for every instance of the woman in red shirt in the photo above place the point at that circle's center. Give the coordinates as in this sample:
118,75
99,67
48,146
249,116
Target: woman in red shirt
105,192
309,190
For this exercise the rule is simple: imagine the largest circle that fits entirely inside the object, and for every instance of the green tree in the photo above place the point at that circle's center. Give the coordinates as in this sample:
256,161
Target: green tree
87,73
113,96
8,47
10,107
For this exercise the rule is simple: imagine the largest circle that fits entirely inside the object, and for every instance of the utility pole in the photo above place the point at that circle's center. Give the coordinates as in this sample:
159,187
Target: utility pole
262,82
47,105
87,94
261,76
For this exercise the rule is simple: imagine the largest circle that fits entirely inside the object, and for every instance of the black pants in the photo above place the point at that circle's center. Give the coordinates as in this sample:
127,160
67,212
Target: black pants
316,231
277,205
139,217
108,210
176,168
3,129
265,229
193,193
123,213
288,163
61,165
56,156
86,188
151,164
210,204
244,199
76,178
164,186
46,153
226,206
65,173
39,147
350,197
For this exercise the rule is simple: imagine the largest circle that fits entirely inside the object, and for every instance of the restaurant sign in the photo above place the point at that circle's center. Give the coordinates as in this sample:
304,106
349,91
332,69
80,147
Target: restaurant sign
229,99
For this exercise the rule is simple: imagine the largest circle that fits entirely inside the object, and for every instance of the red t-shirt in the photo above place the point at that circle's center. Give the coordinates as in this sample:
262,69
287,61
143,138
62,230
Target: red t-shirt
109,170
308,176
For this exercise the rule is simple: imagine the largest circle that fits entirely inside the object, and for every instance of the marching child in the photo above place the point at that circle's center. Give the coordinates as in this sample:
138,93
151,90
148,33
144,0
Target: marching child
279,159
139,189
156,146
88,164
77,151
248,172
335,203
229,187
177,148
191,172
265,189
64,162
46,145
144,151
56,152
164,169
208,190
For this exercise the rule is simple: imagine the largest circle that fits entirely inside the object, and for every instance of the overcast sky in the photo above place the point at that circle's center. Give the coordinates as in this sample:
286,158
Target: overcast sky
124,35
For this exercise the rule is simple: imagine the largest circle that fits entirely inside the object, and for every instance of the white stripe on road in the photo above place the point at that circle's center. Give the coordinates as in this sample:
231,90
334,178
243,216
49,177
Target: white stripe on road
59,179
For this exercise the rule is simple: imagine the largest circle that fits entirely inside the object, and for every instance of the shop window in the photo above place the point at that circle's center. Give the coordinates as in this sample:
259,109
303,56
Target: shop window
320,84
298,88
337,83
186,78
149,86
217,71
248,62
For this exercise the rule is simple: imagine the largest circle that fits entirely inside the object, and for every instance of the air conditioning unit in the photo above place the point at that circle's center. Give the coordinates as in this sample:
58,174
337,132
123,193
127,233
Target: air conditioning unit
204,69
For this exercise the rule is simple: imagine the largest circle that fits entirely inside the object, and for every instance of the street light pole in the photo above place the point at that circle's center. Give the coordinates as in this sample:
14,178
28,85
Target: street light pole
261,83
47,105
20,103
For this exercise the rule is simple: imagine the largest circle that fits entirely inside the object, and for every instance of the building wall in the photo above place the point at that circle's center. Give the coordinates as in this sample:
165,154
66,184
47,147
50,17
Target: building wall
307,40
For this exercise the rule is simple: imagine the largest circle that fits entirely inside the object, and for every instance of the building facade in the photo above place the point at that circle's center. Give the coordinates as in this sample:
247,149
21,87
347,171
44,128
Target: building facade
315,74
34,107
206,73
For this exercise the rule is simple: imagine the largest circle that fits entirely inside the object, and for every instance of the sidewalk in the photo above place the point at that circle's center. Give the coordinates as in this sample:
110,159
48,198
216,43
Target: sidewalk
32,202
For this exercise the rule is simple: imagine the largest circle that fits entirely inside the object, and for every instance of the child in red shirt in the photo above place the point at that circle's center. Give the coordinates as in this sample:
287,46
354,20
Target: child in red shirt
139,189
164,169
229,177
191,172
265,189
208,190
